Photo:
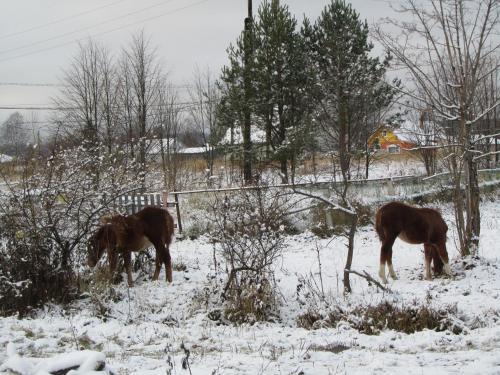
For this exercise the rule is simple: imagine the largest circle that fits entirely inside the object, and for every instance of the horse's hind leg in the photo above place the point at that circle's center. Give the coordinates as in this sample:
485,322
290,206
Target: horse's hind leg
163,256
386,257
112,262
158,263
389,265
428,258
168,265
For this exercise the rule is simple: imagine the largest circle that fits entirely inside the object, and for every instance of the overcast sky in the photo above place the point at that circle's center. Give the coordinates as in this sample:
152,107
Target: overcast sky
38,38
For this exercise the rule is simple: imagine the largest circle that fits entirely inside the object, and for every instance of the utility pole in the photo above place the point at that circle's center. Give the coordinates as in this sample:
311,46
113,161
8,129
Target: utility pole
247,142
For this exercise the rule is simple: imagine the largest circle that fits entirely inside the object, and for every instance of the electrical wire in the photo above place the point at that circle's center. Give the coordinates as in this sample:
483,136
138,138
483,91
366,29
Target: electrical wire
59,20
87,27
27,107
31,84
44,84
105,32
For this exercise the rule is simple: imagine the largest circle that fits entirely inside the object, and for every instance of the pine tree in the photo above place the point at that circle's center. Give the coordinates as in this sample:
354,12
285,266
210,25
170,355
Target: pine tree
352,82
235,102
281,84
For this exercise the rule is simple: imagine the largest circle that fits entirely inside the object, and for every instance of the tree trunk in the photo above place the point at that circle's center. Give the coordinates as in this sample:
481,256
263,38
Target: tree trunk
473,227
350,253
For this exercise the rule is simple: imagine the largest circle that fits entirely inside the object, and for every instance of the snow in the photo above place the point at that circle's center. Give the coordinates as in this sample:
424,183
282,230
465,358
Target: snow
257,136
5,158
193,150
144,327
84,362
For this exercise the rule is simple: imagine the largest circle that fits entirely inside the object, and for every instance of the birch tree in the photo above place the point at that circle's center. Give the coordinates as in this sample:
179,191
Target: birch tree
447,48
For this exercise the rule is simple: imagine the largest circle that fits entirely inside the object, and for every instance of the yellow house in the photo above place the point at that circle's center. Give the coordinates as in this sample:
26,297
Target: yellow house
390,140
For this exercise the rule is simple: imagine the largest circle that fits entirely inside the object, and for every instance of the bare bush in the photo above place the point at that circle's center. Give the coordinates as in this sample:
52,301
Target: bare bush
248,230
46,218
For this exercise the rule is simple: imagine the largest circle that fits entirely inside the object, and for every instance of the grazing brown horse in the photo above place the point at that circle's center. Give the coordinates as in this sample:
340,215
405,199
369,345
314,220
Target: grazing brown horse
136,232
415,226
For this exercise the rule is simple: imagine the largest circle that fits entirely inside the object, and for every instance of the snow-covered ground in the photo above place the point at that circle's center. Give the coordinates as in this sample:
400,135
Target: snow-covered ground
146,325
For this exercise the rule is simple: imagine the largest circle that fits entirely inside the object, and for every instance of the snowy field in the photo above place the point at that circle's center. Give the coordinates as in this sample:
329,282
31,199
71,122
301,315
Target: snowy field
146,325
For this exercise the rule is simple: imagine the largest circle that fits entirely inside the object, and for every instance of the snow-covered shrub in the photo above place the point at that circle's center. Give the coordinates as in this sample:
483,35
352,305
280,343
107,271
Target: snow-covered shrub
248,232
46,219
372,319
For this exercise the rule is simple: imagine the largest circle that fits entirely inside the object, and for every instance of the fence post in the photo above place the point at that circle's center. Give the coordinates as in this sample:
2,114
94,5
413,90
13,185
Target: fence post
133,205
179,224
177,209
164,196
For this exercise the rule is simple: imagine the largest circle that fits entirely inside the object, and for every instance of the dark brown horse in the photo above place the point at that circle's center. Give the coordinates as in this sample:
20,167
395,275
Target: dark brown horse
415,226
124,234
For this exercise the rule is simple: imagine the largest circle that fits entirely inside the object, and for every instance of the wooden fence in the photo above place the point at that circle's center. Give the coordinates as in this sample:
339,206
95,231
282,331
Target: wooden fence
377,190
133,203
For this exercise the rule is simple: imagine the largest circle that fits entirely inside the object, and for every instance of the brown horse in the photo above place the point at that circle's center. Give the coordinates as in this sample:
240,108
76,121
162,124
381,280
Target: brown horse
124,234
415,226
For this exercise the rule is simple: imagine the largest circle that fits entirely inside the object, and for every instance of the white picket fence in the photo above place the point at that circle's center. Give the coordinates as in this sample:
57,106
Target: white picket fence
132,203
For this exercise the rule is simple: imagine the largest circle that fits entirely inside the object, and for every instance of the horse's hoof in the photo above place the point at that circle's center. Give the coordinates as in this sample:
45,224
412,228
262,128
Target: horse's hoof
447,270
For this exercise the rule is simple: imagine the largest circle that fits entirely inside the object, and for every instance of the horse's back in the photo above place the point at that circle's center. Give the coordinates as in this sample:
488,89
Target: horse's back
411,224
396,219
156,221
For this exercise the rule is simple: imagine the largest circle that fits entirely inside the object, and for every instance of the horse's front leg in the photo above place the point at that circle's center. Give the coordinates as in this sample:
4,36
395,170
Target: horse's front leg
127,258
443,254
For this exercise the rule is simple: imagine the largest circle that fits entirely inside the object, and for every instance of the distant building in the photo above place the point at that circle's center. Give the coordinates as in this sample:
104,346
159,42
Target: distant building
5,158
234,136
390,140
154,146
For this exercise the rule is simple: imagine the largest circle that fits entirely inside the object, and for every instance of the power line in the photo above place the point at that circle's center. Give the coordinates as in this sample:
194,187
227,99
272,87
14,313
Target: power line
32,84
105,32
87,27
59,20
48,84
182,105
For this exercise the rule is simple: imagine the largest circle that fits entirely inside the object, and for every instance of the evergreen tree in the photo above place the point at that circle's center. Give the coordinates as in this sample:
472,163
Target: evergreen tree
235,103
352,82
282,83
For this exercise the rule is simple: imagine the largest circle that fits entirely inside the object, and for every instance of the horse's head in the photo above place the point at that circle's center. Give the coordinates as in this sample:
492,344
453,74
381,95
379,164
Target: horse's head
101,240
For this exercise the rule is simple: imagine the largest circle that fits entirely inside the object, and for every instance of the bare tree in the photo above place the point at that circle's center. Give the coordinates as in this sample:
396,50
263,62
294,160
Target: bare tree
168,120
14,135
126,115
425,133
87,100
109,102
447,48
203,113
80,98
142,81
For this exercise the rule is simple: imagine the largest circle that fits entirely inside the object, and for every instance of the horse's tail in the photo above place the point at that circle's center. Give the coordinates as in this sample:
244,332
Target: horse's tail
169,222
378,226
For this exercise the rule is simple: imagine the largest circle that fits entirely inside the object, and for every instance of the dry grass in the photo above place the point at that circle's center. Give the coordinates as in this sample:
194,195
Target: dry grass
250,303
371,320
